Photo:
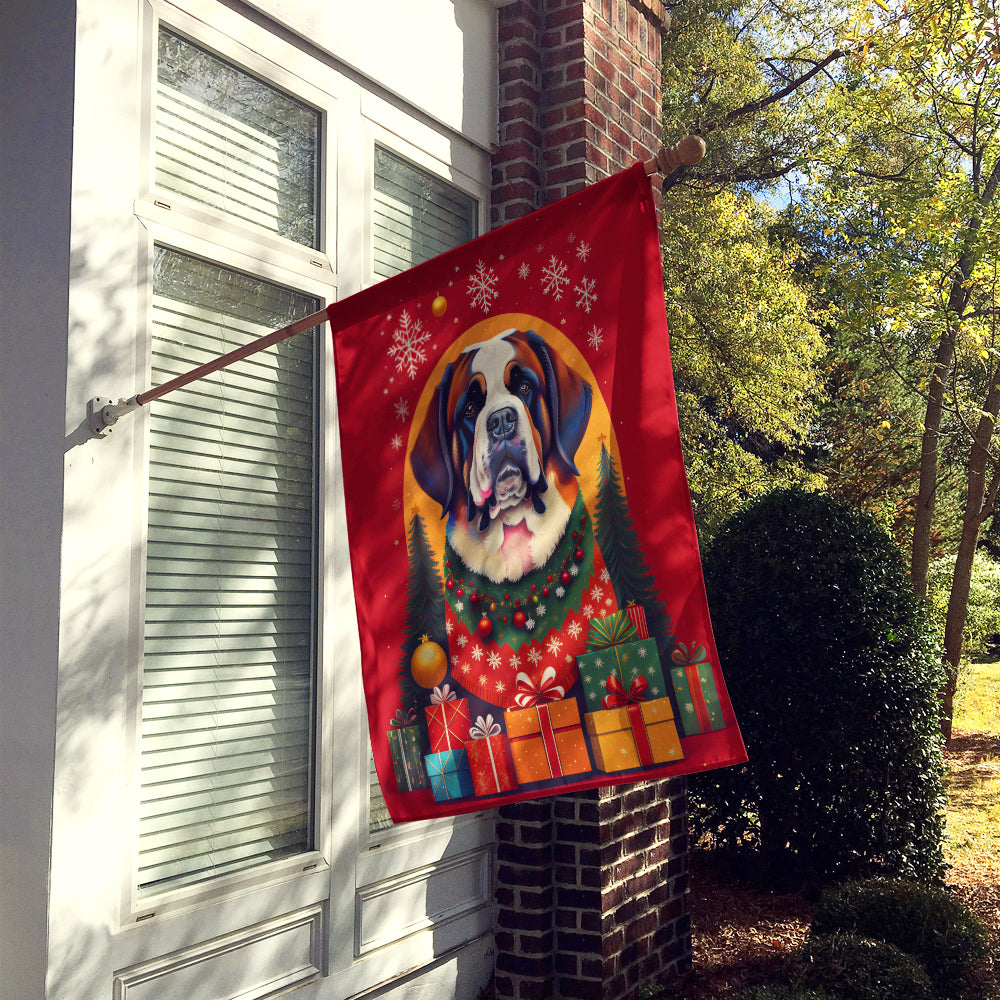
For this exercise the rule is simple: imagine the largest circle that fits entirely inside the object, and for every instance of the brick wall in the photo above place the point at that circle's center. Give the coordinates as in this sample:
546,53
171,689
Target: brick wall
591,889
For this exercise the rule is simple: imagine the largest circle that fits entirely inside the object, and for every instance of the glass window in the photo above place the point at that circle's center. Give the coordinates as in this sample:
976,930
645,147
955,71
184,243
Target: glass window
416,216
228,140
229,649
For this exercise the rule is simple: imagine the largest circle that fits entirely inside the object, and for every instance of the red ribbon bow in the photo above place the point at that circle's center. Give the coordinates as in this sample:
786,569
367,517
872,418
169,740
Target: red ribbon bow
529,693
618,696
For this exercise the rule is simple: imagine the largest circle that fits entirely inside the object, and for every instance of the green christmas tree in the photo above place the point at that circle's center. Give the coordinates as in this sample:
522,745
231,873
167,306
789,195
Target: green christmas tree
424,615
630,573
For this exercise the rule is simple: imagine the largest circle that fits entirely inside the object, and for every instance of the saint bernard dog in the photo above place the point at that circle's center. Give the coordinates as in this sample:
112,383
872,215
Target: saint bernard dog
497,451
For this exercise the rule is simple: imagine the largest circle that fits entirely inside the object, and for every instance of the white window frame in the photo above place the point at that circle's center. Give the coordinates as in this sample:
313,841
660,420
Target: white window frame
351,873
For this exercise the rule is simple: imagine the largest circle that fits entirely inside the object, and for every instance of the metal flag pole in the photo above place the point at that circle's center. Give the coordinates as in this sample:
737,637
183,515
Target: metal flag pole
103,413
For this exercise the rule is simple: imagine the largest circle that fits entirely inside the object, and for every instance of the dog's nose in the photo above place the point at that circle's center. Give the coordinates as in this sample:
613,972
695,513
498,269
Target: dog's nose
502,423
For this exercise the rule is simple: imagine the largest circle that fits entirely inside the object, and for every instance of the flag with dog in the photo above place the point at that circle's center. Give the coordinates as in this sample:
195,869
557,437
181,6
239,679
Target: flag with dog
529,594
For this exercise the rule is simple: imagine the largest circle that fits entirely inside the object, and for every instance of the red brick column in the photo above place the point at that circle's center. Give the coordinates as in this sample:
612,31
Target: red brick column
591,889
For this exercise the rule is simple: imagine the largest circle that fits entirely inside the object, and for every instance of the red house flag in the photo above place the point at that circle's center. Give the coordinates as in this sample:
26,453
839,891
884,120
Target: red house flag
529,593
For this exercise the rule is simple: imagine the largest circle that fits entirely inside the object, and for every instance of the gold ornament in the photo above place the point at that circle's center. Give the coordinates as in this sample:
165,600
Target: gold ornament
439,306
429,663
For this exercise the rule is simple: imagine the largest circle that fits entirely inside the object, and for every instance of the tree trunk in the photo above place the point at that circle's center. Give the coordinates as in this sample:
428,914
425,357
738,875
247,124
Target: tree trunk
980,498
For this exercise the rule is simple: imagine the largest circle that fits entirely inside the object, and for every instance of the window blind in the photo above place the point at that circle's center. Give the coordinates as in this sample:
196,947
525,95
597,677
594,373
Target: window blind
228,140
228,655
416,216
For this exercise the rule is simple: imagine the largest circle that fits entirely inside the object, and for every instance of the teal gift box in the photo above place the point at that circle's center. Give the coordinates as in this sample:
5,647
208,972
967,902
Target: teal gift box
627,661
449,774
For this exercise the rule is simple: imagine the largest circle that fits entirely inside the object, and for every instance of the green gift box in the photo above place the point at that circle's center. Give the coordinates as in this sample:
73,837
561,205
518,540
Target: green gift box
404,745
610,631
627,661
694,686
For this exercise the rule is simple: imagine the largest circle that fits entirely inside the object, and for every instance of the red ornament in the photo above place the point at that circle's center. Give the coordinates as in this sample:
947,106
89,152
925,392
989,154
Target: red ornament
578,555
459,592
450,583
485,626
474,597
545,591
520,618
565,577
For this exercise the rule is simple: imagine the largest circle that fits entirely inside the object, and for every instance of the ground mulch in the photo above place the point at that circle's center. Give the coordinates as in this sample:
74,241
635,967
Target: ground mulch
742,934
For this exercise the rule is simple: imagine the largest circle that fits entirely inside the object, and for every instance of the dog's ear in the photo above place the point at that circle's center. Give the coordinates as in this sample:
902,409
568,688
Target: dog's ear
569,398
430,457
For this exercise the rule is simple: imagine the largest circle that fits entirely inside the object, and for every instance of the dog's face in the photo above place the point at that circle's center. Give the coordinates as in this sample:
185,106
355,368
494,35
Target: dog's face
503,427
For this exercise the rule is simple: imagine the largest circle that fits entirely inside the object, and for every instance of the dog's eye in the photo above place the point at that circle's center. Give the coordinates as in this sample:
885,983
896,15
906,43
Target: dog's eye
471,409
524,389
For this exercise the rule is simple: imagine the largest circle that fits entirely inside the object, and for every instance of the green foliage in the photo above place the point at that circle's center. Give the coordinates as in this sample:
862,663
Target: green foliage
857,968
833,672
926,922
983,612
782,992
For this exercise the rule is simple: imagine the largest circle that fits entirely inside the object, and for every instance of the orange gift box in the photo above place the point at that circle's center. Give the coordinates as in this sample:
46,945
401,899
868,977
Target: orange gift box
547,741
634,736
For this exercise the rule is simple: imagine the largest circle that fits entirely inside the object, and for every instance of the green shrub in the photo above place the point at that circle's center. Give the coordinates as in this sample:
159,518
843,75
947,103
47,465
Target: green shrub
924,921
856,968
833,673
982,618
782,993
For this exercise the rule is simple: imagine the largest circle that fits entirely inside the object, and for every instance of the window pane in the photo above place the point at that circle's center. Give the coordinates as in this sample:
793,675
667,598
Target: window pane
228,140
416,217
228,656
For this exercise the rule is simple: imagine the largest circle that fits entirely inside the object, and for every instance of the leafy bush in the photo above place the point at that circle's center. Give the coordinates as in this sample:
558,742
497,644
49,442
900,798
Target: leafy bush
833,672
925,922
856,968
983,612
782,993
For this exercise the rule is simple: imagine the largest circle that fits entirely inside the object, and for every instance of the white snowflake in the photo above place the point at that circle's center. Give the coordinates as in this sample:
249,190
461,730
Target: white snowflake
465,668
560,591
535,655
595,338
494,659
608,601
598,661
596,594
515,661
408,340
462,640
554,278
583,250
574,629
586,296
530,624
605,575
522,271
455,659
477,653
571,237
449,627
482,286
402,409
553,645
642,651
500,686
459,606
574,570
397,442
588,611
540,610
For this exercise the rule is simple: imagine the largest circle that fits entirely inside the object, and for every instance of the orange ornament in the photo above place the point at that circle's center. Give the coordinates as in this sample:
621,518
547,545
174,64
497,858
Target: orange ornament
428,664
439,305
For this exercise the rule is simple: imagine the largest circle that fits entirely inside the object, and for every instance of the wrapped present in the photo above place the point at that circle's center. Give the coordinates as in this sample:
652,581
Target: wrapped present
404,746
694,686
611,630
634,735
489,758
448,720
449,774
627,661
546,740
637,616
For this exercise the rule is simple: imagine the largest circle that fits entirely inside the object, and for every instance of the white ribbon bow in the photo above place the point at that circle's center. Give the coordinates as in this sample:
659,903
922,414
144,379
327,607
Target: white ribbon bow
484,728
442,694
